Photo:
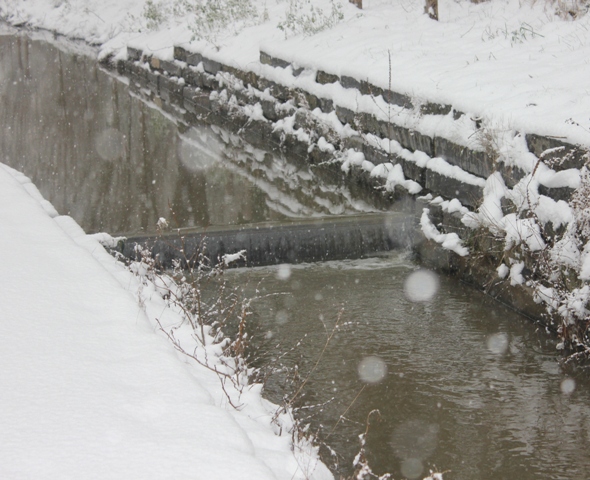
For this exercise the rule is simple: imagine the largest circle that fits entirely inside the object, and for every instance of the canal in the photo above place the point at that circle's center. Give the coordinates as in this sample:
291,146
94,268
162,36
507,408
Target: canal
462,384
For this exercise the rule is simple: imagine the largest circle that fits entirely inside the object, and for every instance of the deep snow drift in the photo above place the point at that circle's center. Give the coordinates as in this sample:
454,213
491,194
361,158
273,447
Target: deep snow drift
89,390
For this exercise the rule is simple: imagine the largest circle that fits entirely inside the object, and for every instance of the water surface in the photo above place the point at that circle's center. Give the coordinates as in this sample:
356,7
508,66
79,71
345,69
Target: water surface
470,386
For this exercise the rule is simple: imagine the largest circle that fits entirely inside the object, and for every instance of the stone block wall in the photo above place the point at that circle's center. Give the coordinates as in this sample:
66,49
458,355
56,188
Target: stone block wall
300,123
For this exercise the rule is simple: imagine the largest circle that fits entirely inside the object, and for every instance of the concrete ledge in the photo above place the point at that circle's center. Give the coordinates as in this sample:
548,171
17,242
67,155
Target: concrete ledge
271,244
134,54
555,153
447,187
267,59
202,81
326,78
180,53
194,59
199,81
472,161
561,193
511,174
430,108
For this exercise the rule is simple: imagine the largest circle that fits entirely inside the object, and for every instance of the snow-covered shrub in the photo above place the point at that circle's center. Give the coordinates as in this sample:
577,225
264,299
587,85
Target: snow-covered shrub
558,256
207,19
580,203
515,34
197,292
569,269
154,14
571,9
303,17
215,17
533,240
157,12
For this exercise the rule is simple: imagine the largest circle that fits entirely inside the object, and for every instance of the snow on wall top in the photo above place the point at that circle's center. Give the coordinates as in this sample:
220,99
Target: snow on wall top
518,63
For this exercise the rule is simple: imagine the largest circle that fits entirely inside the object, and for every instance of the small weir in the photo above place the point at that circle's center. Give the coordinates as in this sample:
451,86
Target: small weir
346,237
463,385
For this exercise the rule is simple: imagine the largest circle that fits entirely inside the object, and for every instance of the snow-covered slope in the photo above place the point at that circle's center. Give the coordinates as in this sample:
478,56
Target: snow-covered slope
89,390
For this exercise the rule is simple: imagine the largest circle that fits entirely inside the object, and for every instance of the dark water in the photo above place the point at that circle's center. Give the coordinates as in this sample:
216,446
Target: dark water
467,386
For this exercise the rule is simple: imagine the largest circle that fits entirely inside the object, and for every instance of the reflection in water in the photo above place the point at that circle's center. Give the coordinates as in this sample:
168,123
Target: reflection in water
467,385
116,163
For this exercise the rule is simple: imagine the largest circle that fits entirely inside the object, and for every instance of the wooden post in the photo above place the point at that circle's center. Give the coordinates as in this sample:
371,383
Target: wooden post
431,8
357,3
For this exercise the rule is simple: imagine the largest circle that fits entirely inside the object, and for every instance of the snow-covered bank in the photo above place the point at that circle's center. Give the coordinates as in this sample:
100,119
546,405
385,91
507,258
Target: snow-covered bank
520,65
89,390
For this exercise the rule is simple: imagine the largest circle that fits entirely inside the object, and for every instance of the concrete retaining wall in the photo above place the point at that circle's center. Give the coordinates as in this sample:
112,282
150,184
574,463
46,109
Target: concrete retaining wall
253,104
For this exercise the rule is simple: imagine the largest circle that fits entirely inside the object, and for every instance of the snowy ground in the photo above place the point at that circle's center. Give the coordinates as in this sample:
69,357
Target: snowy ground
518,64
89,390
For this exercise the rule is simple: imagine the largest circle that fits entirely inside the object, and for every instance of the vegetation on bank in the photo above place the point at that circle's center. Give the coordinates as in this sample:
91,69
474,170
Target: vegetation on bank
216,333
536,239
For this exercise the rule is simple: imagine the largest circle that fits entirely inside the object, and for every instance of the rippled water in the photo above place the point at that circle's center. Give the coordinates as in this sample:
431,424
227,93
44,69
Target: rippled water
460,383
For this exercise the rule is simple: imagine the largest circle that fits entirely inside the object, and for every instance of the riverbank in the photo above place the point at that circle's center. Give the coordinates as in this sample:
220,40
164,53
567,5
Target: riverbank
501,62
89,390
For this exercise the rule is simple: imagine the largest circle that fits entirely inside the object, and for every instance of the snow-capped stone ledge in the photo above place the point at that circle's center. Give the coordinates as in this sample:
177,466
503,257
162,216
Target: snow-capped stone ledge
190,75
184,78
276,85
282,87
